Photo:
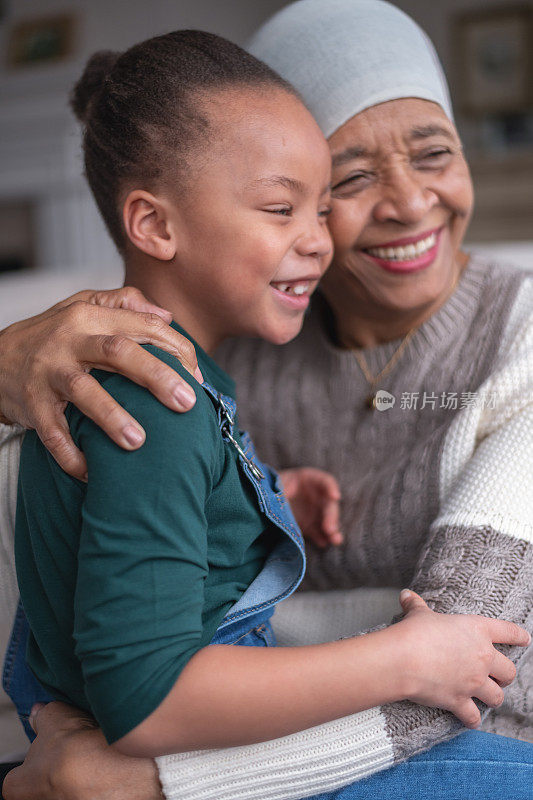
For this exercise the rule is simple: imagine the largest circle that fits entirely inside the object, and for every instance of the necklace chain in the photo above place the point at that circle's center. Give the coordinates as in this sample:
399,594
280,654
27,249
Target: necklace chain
372,380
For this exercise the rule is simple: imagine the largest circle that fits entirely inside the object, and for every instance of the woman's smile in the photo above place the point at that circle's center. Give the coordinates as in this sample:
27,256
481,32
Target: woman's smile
406,255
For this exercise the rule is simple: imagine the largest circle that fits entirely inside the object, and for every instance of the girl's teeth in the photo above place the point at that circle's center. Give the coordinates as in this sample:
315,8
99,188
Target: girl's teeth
404,253
297,289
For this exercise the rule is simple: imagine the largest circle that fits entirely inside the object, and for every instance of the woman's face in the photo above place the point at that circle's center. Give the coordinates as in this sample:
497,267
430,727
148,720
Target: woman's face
401,202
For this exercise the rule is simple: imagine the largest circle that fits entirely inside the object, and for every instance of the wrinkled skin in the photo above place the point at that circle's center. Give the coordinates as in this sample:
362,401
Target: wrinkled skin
45,361
84,766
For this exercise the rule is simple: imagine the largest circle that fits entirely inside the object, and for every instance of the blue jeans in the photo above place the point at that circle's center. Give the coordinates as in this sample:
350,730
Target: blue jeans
473,766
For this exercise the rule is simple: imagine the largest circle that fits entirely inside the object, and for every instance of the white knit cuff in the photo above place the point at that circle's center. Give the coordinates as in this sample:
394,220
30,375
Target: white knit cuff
319,759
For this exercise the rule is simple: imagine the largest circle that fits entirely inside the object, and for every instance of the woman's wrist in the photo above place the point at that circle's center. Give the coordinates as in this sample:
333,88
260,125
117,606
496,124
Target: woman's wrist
71,759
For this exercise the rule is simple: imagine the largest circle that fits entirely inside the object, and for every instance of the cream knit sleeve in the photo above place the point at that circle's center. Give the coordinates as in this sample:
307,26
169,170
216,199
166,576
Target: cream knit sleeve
10,443
478,559
479,555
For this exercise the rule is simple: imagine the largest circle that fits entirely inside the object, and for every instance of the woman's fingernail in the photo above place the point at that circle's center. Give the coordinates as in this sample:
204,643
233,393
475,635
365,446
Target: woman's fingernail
405,594
133,435
198,375
185,395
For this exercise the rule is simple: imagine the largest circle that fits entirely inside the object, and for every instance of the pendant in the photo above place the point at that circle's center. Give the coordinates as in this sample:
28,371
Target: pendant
370,402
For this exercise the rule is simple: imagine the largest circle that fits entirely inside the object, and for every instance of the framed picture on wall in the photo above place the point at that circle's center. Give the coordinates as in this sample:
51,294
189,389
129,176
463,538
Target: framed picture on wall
494,60
40,40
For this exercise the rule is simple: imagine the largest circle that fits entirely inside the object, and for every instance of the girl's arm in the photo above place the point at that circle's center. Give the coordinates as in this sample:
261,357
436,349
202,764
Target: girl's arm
68,744
228,695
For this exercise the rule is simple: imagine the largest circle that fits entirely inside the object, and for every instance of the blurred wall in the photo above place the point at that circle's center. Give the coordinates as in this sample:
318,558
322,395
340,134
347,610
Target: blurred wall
117,24
502,173
40,163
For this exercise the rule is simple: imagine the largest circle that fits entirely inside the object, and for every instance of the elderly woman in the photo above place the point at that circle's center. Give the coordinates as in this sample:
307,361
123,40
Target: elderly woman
411,382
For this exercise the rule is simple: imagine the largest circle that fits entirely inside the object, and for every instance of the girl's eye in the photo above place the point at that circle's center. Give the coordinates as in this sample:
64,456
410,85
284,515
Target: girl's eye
325,212
283,211
355,181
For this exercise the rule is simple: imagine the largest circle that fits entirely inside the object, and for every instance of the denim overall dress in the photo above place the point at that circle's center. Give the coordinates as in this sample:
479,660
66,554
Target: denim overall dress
247,623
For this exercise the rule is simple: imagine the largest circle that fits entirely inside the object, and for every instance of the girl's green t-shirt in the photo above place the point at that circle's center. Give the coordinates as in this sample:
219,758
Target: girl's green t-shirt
125,578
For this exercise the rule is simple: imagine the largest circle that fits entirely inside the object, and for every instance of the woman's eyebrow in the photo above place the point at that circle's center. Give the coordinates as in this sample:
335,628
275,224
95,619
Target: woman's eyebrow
425,131
356,151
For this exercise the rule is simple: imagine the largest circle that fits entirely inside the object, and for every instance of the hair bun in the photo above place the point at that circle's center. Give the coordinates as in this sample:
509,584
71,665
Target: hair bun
96,71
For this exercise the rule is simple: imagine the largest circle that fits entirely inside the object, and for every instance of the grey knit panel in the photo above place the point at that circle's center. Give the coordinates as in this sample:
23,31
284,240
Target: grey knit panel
477,571
514,717
472,571
481,571
304,404
413,728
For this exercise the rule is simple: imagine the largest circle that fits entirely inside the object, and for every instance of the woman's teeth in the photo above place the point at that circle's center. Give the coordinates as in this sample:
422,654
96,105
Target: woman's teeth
405,253
292,288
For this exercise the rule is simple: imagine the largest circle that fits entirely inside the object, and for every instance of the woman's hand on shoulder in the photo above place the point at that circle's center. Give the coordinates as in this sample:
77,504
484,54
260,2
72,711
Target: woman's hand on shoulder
450,659
45,361
315,497
70,760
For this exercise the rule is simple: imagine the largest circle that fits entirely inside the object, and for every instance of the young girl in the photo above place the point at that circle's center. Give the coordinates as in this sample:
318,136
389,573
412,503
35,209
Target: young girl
213,180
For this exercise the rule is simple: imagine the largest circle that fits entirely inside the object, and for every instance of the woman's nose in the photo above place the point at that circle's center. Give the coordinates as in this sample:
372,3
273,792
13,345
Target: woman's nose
404,198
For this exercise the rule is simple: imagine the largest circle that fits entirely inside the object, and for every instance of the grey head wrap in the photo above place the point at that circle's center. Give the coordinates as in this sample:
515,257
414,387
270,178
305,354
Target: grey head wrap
347,55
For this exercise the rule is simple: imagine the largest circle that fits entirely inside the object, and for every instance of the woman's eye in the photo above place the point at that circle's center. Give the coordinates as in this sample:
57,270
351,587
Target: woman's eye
434,156
325,212
355,181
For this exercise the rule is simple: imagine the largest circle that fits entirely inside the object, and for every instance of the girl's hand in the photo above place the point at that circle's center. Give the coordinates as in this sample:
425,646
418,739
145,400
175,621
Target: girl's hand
451,658
45,360
70,760
314,496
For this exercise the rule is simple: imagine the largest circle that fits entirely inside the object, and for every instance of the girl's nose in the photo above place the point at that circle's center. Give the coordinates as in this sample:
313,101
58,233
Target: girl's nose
405,198
315,241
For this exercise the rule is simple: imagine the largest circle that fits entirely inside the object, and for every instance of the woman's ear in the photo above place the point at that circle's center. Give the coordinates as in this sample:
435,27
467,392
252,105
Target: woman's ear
148,223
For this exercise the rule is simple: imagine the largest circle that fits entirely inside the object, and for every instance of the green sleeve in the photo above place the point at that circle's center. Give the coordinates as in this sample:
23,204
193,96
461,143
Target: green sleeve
143,553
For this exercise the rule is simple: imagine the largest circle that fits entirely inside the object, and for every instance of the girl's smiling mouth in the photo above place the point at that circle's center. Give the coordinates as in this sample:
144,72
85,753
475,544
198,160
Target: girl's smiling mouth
406,255
295,293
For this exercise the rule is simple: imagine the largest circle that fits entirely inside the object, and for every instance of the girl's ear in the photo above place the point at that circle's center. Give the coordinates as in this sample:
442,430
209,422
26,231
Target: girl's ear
148,223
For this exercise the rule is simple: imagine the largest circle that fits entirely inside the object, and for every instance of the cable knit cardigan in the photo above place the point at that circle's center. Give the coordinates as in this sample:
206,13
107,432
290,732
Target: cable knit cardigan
437,495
